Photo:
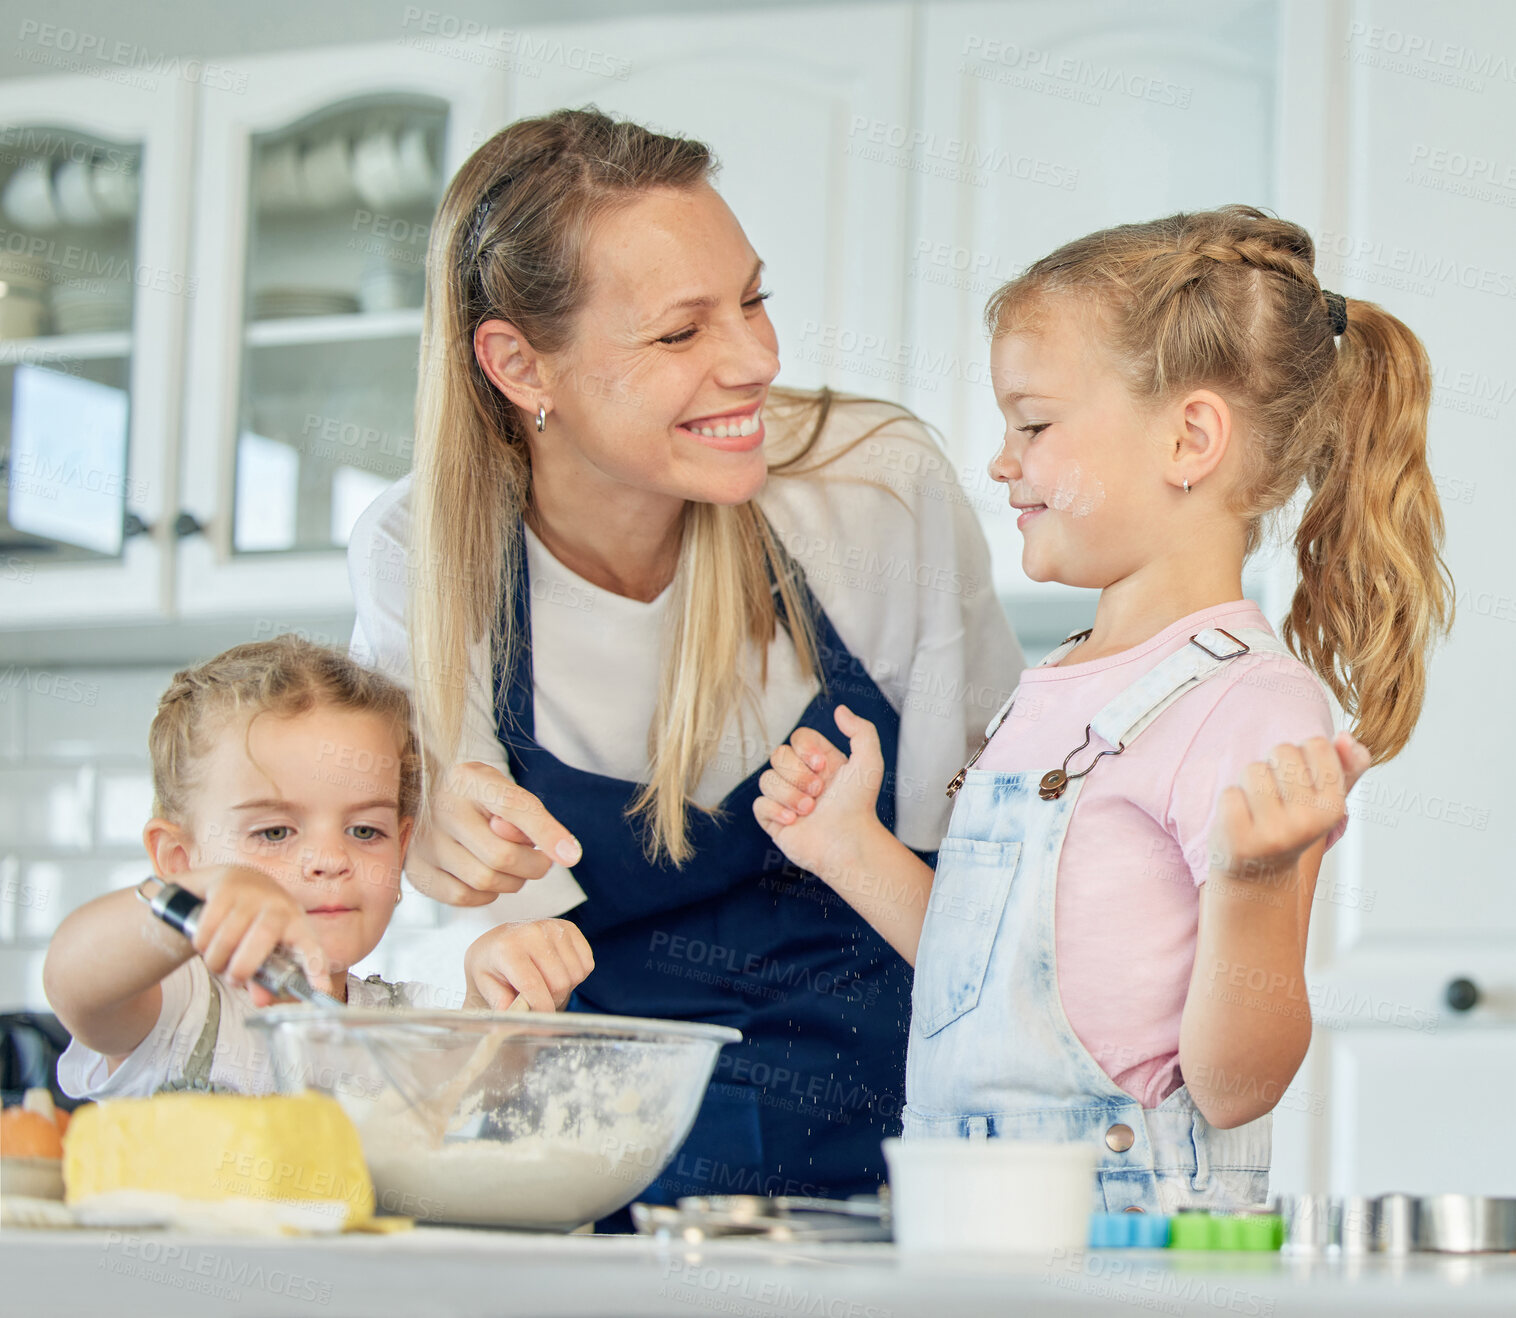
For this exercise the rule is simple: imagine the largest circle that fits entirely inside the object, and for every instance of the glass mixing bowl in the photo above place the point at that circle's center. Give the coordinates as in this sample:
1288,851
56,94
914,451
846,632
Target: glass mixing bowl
535,1120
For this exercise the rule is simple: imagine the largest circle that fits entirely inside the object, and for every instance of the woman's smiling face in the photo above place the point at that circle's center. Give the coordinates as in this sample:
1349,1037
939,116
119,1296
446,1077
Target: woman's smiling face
1081,460
662,385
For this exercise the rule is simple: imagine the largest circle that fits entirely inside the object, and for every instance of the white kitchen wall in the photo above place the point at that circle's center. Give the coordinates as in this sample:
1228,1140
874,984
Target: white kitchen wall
74,794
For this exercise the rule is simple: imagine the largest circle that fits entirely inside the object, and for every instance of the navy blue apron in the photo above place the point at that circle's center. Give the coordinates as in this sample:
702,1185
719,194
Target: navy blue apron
739,937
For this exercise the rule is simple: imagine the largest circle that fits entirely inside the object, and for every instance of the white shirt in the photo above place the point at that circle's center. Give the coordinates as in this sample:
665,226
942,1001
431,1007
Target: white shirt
891,550
241,1060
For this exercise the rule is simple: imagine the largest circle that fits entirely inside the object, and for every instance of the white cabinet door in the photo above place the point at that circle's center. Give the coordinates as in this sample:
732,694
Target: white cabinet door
783,98
1416,210
108,260
269,473
1039,122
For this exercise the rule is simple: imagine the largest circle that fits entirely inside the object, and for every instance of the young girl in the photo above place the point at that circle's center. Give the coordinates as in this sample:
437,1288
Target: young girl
285,777
1113,947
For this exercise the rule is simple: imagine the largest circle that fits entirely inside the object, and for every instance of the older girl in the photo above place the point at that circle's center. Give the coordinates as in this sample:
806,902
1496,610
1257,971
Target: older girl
1113,947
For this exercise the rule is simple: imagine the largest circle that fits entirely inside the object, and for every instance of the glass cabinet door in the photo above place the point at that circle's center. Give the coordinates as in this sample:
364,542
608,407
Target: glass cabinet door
340,207
316,201
85,280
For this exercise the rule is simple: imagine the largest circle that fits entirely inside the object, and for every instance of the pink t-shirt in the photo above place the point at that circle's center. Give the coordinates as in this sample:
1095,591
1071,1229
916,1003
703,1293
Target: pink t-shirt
1127,906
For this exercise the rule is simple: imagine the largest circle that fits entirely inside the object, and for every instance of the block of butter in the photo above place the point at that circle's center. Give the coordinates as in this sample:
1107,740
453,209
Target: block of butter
218,1162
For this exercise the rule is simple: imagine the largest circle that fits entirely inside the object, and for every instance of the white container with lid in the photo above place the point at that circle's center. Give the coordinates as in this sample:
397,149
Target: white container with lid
960,1196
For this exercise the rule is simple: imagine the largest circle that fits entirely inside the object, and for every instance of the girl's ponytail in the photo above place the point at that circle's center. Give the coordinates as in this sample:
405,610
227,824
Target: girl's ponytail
1374,592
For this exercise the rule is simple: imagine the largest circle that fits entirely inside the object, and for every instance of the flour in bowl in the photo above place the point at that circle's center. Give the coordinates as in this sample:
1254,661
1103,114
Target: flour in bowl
546,1142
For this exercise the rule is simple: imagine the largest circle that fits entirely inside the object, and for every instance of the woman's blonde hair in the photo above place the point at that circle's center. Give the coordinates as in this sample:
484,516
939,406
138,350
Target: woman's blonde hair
509,242
284,676
1229,299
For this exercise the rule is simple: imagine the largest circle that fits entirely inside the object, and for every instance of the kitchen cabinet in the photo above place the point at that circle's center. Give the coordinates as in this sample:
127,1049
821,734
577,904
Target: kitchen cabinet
265,371
94,204
1038,122
314,197
1412,979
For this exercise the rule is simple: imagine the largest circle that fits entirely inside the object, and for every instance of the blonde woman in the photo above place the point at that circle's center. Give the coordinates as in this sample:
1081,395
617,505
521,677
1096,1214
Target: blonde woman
626,567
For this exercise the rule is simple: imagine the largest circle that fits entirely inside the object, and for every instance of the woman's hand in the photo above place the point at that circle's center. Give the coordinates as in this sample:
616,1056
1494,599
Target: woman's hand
816,802
247,915
1284,807
487,835
542,961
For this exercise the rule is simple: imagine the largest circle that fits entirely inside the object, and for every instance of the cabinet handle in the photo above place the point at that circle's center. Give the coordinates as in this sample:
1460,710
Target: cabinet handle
186,525
132,526
1461,994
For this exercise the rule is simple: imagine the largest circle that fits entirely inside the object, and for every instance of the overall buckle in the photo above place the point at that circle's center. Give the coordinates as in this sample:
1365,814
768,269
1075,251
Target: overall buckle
1242,646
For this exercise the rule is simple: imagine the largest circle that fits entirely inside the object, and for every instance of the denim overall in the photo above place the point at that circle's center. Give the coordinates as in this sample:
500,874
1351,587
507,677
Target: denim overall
739,937
991,1052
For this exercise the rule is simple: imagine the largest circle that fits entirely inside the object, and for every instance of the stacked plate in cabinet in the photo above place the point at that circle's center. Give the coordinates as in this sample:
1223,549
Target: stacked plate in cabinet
23,296
279,303
85,306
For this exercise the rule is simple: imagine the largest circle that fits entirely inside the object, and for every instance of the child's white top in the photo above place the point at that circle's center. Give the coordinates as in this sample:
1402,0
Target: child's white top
1126,913
241,1059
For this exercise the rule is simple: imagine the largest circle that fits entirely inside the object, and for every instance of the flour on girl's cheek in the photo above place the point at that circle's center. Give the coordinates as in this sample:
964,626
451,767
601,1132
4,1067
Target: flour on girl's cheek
1075,495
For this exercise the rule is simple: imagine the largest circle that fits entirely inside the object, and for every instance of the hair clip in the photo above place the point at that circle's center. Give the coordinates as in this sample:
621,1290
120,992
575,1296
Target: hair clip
469,254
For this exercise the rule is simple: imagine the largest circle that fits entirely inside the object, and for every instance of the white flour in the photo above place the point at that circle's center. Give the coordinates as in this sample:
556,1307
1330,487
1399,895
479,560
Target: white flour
547,1142
1075,495
524,1183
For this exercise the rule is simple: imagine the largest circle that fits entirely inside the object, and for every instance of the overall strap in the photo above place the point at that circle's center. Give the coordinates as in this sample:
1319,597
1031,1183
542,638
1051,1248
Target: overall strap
197,1069
1208,652
394,993
1052,657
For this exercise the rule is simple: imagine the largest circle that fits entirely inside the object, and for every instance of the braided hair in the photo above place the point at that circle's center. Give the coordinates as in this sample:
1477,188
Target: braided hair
1229,299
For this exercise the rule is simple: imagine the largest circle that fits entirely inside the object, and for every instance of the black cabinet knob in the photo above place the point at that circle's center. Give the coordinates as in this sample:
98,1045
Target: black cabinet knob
186,525
1461,994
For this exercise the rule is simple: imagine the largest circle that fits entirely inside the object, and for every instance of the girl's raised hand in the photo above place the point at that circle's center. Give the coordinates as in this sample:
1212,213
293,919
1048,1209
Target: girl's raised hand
1284,807
815,802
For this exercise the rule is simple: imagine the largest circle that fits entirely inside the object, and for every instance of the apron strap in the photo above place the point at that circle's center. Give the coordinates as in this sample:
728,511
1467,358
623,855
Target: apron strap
515,705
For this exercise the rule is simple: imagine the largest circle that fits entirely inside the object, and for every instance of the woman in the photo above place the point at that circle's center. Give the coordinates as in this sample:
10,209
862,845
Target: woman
623,570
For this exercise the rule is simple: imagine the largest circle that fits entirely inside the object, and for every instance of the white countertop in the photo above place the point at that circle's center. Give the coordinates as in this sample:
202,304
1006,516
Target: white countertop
443,1271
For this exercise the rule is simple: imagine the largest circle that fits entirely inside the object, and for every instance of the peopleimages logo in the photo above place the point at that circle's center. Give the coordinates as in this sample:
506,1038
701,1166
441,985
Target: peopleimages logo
1065,76
950,157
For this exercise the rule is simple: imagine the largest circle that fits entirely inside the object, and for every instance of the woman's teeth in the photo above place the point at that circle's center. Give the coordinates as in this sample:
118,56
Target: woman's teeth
747,426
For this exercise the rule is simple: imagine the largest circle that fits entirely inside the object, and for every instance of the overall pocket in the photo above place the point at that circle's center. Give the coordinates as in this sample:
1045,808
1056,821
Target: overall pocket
962,920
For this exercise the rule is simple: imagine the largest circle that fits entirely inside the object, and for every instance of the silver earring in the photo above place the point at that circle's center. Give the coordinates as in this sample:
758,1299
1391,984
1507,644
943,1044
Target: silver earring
1186,483
541,417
